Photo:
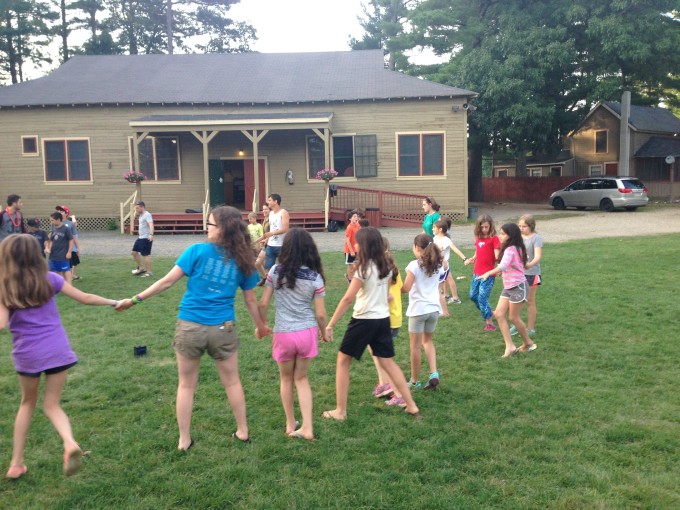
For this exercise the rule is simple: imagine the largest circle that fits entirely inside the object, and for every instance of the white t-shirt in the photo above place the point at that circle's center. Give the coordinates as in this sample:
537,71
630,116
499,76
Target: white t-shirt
371,302
144,229
444,243
424,294
275,223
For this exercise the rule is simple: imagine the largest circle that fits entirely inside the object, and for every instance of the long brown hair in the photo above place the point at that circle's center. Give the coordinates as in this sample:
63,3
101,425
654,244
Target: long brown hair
234,237
484,218
390,261
23,273
431,257
371,249
514,239
298,249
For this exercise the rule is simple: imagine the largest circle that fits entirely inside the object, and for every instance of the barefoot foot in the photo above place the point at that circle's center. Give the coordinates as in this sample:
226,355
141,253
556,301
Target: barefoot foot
334,415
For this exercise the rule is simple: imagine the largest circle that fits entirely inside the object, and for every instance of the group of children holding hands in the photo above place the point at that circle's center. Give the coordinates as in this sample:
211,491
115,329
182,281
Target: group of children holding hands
297,286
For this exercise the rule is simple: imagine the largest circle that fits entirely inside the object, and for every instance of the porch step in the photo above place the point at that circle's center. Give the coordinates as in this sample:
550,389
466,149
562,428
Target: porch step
192,223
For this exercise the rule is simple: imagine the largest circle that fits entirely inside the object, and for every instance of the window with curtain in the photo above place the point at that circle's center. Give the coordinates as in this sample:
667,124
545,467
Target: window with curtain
353,155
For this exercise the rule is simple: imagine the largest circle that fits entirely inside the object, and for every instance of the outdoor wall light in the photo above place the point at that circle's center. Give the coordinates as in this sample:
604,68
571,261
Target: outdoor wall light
241,152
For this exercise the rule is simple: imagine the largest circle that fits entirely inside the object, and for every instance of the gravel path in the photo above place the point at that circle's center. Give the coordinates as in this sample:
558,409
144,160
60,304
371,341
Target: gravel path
558,226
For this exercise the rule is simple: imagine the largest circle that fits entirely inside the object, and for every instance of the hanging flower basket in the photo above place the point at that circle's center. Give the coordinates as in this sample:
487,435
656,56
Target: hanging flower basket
326,174
134,177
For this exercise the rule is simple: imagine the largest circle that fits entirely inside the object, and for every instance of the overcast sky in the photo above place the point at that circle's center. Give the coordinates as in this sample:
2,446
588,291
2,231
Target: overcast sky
301,25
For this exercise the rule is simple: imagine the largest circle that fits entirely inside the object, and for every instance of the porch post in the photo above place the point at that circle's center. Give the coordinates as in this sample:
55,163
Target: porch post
255,138
205,137
325,136
137,139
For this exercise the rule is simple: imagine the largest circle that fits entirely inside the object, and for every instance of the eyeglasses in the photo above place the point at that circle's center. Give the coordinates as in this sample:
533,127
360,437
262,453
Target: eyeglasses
211,224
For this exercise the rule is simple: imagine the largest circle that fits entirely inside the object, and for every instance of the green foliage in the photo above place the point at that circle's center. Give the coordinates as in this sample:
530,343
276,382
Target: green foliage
539,66
587,421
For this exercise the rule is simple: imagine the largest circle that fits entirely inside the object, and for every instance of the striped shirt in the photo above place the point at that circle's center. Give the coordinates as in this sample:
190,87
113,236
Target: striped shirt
512,267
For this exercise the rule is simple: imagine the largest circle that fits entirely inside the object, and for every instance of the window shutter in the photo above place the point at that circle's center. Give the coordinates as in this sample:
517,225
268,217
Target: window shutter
366,156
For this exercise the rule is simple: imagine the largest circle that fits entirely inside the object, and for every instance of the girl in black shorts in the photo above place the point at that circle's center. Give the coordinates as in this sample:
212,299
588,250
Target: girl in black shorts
370,323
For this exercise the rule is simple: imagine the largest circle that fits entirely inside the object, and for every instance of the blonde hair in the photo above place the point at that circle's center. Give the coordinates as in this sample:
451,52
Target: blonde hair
252,215
529,220
23,273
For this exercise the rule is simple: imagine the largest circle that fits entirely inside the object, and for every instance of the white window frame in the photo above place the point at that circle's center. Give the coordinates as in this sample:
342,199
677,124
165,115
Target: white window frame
68,181
596,170
421,134
558,168
154,179
340,178
502,172
37,146
536,172
606,149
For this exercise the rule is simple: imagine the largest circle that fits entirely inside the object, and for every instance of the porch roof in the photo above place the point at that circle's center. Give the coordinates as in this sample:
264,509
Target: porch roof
236,121
659,147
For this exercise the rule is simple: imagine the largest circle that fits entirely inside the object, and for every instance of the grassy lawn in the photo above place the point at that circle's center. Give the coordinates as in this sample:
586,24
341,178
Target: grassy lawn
590,420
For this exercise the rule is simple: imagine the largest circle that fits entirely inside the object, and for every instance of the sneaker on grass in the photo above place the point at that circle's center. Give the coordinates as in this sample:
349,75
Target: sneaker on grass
396,401
384,390
138,271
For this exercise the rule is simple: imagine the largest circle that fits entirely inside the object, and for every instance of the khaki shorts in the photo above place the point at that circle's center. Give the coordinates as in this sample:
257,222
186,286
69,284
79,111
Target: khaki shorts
193,339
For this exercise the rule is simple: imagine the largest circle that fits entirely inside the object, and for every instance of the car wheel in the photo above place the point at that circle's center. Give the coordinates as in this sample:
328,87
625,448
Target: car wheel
558,204
606,205
581,208
631,208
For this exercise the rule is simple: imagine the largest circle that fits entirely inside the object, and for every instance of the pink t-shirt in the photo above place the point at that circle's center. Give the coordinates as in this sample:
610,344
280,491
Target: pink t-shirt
484,250
512,267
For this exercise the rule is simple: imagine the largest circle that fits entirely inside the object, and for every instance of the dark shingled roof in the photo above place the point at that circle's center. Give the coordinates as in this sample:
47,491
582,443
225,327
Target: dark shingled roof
659,147
646,118
258,78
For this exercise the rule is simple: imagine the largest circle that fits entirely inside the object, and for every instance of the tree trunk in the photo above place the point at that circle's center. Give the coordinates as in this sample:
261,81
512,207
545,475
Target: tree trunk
64,31
168,26
475,144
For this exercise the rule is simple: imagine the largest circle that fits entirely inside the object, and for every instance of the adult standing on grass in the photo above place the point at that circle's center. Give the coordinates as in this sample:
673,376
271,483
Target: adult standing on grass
141,251
278,226
370,323
206,320
296,283
512,259
28,308
431,208
11,220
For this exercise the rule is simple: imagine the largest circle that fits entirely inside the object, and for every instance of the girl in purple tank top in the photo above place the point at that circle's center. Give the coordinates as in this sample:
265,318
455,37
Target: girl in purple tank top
40,343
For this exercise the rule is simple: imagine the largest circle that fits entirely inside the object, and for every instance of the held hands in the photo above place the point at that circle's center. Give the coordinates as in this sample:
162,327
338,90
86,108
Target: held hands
262,333
467,262
123,305
328,334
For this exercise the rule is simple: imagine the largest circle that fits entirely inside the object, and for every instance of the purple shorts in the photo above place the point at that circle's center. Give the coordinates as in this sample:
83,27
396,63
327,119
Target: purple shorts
295,344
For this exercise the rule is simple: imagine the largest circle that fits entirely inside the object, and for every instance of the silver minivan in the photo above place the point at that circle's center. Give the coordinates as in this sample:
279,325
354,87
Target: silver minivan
605,193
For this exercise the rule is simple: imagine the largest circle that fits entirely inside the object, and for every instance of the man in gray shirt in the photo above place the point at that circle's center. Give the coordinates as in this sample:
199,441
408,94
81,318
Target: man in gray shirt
141,251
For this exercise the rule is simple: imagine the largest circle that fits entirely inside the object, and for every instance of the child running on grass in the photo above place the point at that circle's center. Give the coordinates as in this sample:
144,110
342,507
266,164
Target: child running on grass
350,234
422,285
487,249
446,246
370,323
533,242
28,308
296,282
512,259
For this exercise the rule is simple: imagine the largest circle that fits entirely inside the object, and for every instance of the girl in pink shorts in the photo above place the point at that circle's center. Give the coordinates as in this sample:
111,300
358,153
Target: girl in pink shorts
297,283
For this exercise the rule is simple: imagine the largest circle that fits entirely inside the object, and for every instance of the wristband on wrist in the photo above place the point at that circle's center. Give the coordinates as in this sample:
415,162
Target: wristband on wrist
136,299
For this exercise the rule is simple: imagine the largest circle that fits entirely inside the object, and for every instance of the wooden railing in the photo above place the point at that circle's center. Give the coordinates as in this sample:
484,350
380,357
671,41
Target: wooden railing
383,208
130,215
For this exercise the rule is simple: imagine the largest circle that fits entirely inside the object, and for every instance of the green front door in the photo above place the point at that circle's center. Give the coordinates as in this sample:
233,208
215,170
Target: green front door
216,175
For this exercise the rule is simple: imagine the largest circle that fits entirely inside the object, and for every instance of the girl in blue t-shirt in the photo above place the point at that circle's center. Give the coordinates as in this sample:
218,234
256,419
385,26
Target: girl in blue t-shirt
206,320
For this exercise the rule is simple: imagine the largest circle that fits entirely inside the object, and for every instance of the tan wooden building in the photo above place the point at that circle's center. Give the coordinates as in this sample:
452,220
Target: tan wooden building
196,125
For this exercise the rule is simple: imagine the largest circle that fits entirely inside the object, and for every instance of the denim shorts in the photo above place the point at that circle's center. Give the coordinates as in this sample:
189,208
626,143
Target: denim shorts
271,254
